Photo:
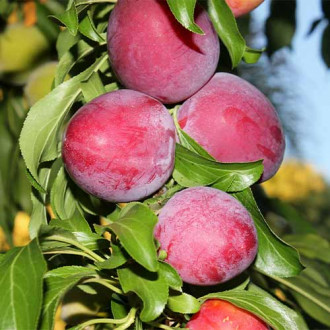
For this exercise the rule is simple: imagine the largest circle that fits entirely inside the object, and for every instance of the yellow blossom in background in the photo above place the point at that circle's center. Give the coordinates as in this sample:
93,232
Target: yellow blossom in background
59,323
104,222
294,181
21,235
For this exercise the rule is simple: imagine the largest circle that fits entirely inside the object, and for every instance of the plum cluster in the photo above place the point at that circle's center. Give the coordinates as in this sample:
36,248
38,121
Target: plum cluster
120,146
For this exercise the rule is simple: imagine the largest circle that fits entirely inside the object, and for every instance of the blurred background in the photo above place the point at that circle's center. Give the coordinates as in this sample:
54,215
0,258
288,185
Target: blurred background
293,72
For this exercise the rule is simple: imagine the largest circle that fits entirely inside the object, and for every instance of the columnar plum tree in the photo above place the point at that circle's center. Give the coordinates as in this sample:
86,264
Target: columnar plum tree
234,122
161,58
120,146
209,237
187,213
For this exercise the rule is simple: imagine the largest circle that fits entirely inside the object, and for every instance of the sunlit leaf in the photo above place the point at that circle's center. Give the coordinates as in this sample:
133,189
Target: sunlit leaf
21,284
184,12
274,256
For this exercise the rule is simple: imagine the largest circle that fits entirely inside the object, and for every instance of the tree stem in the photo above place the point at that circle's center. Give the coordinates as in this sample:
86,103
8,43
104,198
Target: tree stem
106,283
93,255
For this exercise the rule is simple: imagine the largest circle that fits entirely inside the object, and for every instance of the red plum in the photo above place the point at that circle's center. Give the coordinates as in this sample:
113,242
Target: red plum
219,314
151,52
120,146
242,7
235,123
208,235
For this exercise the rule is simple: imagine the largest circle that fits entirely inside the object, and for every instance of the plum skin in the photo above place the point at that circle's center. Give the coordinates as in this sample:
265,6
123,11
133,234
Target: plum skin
120,146
219,314
242,7
208,235
234,122
151,52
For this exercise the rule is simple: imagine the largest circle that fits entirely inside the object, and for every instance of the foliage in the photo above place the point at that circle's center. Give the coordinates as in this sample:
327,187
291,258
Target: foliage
71,252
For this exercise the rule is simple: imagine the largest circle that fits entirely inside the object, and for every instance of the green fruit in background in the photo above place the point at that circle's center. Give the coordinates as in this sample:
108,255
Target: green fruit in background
40,82
21,48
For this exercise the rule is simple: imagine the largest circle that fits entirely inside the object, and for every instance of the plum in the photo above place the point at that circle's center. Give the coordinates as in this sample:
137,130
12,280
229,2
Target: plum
151,52
120,146
219,314
234,122
208,235
21,48
40,82
242,7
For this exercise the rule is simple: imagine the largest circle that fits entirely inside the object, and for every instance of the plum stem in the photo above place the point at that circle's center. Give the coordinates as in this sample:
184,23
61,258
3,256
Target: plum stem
93,255
161,326
106,283
79,253
125,322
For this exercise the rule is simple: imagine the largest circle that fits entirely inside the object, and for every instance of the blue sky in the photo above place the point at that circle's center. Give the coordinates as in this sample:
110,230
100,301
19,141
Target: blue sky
309,81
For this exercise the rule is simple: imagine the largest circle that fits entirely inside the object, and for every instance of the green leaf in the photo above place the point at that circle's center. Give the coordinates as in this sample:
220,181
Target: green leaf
34,183
189,143
134,229
48,28
183,11
15,111
21,282
312,309
75,224
275,257
87,288
119,308
58,282
171,276
57,237
22,189
40,134
88,29
63,203
65,41
252,55
69,18
183,303
118,258
93,87
312,292
86,238
310,245
193,170
296,221
79,50
225,24
263,305
151,287
51,237
39,212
